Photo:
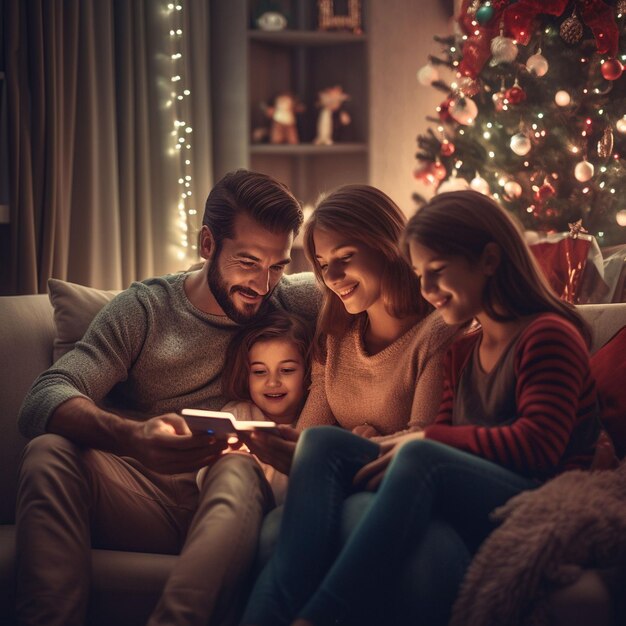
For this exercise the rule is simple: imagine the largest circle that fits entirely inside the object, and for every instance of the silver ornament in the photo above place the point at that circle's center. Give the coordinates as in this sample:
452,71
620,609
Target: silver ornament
503,50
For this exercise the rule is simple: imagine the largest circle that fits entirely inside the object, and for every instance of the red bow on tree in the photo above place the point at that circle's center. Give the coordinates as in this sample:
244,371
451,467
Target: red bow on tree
517,22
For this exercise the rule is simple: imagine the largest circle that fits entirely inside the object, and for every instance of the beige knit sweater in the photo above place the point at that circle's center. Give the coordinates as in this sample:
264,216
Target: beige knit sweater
397,389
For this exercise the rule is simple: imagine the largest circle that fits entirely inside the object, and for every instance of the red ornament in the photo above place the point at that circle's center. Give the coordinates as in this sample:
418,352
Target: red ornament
439,170
612,69
444,110
515,94
421,173
447,148
499,100
544,192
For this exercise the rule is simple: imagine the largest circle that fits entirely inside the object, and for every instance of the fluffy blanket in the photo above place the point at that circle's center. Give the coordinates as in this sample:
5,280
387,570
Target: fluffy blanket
548,536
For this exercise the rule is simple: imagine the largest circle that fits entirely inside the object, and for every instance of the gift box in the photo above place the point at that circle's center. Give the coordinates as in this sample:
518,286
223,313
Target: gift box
573,265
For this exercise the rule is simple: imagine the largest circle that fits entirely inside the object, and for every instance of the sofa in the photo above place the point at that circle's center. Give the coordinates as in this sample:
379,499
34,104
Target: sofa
125,585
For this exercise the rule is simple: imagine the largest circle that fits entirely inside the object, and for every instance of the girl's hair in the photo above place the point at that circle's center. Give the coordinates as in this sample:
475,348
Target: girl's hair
462,223
276,325
363,214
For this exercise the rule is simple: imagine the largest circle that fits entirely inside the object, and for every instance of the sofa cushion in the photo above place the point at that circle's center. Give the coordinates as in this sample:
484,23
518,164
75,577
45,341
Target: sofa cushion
74,308
609,369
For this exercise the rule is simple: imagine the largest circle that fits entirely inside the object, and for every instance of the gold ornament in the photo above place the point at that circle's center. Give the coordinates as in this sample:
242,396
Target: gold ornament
605,144
571,30
620,8
473,7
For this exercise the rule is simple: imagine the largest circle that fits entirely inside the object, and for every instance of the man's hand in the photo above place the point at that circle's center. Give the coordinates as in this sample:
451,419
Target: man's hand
165,444
370,476
275,450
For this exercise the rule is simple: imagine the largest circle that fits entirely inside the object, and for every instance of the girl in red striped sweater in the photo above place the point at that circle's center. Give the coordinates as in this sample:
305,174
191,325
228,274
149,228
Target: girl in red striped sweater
519,406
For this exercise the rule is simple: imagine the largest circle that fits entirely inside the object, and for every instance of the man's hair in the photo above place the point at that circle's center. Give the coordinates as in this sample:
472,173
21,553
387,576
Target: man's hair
264,199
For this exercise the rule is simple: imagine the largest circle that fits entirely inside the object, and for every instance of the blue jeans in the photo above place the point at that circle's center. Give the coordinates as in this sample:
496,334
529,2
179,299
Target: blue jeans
311,576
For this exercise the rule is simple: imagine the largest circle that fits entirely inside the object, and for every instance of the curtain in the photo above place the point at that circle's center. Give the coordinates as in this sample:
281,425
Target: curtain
93,176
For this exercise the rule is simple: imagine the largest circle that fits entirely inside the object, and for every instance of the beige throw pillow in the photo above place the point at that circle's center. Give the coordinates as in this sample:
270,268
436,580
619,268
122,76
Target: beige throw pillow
74,308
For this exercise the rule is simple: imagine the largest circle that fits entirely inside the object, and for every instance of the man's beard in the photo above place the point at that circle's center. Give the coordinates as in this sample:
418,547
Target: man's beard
223,295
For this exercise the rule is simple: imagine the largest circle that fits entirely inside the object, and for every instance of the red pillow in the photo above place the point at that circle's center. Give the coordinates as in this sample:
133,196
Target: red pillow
608,366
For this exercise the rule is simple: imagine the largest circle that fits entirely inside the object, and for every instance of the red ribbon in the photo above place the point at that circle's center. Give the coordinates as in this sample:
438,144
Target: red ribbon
477,47
518,18
599,17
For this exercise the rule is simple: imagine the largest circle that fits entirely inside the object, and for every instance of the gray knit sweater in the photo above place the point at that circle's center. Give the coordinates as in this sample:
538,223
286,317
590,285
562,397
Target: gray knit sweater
149,352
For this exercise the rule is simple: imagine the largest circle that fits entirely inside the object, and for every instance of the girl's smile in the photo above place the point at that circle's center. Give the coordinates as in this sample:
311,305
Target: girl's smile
450,283
351,269
276,379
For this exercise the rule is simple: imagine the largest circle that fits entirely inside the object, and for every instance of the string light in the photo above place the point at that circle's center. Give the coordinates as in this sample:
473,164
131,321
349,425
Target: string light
182,131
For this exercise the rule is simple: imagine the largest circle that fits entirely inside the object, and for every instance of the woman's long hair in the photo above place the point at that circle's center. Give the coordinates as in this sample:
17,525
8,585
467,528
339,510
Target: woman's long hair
363,214
462,223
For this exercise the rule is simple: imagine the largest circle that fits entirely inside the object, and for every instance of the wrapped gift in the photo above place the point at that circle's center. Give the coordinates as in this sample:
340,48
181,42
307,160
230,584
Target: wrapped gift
572,263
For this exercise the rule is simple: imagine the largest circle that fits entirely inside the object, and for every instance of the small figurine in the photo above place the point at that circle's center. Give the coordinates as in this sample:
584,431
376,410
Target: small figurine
283,127
332,118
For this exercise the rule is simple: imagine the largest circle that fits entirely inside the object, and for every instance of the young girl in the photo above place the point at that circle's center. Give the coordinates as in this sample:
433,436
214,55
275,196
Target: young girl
266,377
518,407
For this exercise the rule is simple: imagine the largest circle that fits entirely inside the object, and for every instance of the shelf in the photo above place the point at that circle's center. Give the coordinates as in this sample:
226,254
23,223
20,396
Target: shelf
305,37
251,66
308,149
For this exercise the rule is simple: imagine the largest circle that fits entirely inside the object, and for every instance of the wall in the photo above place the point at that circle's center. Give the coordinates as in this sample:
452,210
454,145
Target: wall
401,38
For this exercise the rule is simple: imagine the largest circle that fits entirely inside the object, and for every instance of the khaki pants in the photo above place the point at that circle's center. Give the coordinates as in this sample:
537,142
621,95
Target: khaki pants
70,499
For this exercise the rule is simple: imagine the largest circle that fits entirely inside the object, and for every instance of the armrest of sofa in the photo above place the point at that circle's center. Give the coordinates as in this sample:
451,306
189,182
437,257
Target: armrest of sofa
26,336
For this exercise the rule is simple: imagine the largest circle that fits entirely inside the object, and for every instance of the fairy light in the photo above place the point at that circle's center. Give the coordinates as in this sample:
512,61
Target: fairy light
182,131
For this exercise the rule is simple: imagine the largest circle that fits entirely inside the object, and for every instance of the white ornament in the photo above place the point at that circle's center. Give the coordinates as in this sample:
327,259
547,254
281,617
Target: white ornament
463,111
271,21
562,98
512,189
620,125
503,50
480,184
620,217
427,75
583,171
520,144
537,64
454,183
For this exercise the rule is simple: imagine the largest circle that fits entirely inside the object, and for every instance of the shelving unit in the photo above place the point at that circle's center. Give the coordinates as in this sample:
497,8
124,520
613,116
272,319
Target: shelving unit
250,67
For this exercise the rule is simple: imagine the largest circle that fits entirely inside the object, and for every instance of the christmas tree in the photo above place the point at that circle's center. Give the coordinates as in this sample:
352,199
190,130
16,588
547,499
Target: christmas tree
534,112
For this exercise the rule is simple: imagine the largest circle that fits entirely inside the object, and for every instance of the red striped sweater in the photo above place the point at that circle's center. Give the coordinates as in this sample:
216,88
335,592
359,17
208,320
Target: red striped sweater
557,421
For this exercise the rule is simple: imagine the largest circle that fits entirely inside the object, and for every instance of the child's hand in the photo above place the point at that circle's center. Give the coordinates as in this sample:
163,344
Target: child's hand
366,430
276,450
370,476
